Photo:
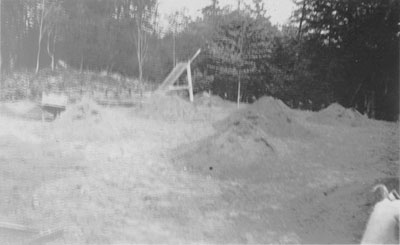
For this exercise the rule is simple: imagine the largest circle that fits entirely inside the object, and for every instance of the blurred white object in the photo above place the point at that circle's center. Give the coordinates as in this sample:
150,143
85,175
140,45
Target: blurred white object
62,64
116,76
383,224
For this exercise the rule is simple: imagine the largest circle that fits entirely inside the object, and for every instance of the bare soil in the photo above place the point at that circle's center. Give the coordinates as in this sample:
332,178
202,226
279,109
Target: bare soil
123,175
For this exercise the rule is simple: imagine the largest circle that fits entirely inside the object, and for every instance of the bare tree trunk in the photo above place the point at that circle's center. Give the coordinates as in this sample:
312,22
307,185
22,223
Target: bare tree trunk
51,53
0,58
241,42
372,104
139,49
48,43
40,39
299,36
141,41
301,20
238,93
53,59
81,66
173,50
355,94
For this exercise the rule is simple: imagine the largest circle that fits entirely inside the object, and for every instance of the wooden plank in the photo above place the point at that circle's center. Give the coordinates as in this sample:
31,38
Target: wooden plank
177,72
173,76
168,83
189,75
54,100
195,55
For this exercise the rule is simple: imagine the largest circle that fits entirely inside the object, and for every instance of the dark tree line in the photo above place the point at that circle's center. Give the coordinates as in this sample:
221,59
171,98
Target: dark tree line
333,50
353,46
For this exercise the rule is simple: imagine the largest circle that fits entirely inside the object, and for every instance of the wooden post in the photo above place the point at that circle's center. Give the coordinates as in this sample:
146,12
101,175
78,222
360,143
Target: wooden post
189,76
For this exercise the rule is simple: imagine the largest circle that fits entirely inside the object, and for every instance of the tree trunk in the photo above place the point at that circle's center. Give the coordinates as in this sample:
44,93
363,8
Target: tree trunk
0,60
372,104
51,53
139,49
81,66
141,42
301,21
238,93
40,39
53,60
241,43
173,51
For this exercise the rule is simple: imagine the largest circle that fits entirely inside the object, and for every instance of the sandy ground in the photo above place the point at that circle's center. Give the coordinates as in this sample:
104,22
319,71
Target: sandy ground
117,175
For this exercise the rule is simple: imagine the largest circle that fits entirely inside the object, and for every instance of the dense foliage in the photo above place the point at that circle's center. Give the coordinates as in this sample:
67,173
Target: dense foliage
344,51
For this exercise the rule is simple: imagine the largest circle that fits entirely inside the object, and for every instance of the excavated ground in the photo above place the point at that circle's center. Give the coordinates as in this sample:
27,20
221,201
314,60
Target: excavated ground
171,172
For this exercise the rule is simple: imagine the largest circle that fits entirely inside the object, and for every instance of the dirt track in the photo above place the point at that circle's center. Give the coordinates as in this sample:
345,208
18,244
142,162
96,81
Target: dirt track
129,178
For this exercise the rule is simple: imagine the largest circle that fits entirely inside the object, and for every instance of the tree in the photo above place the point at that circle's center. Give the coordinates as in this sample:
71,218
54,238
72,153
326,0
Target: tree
240,52
177,21
227,50
143,14
40,36
300,15
56,18
212,10
51,15
356,43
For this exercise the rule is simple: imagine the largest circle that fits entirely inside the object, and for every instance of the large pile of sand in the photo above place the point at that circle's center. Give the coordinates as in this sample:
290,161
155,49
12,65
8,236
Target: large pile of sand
85,109
337,114
25,109
247,143
86,121
269,115
237,153
20,107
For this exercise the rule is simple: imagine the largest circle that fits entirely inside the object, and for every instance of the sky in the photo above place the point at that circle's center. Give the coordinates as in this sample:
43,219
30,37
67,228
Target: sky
279,10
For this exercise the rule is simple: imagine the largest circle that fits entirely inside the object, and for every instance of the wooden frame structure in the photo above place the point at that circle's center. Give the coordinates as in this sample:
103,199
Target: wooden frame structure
54,103
170,80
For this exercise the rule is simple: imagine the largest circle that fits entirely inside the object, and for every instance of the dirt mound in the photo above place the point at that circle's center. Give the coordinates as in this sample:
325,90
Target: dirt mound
236,153
36,113
20,107
88,122
335,113
170,108
86,109
24,109
247,143
269,115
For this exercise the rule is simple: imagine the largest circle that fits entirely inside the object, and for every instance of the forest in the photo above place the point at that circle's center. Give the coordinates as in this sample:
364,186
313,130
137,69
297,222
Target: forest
331,51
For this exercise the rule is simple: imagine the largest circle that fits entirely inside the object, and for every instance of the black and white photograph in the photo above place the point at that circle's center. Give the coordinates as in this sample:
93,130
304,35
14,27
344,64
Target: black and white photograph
199,122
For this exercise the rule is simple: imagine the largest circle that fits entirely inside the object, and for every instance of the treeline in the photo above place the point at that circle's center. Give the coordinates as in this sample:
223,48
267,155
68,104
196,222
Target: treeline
333,51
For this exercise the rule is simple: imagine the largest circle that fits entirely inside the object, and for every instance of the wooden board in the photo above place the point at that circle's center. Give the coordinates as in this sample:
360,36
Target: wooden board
173,76
54,100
